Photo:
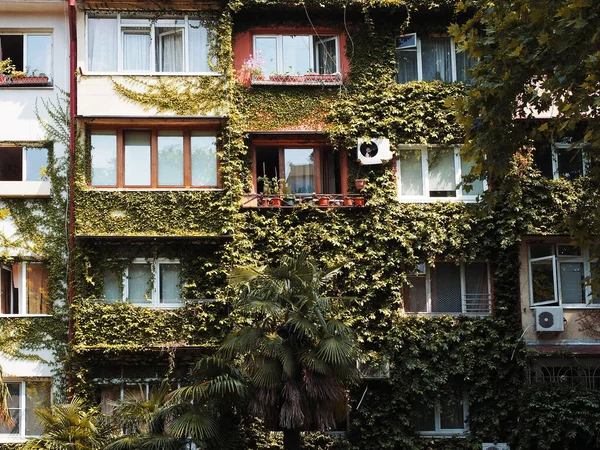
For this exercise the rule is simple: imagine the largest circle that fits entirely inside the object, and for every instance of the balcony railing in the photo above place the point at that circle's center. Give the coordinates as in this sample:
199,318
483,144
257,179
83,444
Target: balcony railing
478,304
297,200
309,79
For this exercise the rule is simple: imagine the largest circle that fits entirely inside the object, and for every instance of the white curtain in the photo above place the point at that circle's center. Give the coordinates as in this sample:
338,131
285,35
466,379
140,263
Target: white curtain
169,283
112,287
136,49
102,44
204,160
436,57
198,46
139,283
442,176
411,173
171,49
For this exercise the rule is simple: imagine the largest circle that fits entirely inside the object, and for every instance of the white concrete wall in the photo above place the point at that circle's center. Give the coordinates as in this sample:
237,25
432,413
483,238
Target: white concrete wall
25,368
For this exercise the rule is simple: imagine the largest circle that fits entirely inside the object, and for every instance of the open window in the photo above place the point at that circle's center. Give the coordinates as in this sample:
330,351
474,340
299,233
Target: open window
23,171
146,282
449,288
430,58
30,52
559,275
305,170
560,160
428,174
24,289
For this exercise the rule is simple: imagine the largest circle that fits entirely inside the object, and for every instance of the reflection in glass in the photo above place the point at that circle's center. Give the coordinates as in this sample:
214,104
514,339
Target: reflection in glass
137,158
296,54
112,286
39,54
425,418
204,159
37,288
104,158
198,43
452,416
570,163
442,175
406,64
267,48
14,401
417,295
36,163
299,170
139,282
476,185
170,158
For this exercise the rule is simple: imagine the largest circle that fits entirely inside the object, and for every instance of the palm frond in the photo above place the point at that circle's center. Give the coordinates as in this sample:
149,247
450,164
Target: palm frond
198,425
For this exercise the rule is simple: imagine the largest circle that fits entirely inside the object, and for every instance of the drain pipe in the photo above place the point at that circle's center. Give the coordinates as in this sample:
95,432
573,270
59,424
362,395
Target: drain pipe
71,177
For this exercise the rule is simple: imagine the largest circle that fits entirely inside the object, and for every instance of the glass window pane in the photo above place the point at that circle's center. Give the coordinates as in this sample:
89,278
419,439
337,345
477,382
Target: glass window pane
568,250
411,173
140,283
542,280
204,159
109,396
39,54
37,396
408,41
452,416
11,164
406,64
570,163
37,289
442,175
417,295
102,44
112,286
424,418
299,170
463,63
267,48
296,54
436,55
14,404
104,158
169,43
542,158
198,43
476,185
445,288
325,54
36,162
170,158
136,48
541,250
170,291
571,282
137,158
477,296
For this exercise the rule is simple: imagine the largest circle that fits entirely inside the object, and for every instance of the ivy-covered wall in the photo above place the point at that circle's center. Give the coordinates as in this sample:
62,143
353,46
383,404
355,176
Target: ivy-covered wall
379,245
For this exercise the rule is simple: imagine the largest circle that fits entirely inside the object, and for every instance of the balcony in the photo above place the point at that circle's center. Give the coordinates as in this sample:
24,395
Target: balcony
309,79
338,201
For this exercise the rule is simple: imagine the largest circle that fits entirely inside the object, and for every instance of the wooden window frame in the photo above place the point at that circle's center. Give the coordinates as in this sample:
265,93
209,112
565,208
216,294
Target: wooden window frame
154,130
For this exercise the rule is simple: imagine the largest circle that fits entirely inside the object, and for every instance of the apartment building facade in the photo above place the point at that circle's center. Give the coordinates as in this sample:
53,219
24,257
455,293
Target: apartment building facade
207,135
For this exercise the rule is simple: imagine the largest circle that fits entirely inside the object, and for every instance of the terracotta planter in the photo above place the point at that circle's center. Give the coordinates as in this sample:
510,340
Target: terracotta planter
30,80
359,201
276,201
360,183
264,202
276,78
348,201
323,201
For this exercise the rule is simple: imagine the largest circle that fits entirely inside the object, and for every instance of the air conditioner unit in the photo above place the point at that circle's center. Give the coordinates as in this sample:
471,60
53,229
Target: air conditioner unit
489,446
374,151
549,318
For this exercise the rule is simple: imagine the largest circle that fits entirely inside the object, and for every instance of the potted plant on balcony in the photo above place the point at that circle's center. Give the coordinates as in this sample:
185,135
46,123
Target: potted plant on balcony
273,190
7,71
253,67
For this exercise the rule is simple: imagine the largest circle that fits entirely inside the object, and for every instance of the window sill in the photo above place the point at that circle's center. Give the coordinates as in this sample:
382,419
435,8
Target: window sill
23,316
152,74
164,306
25,189
453,314
570,306
13,440
334,79
444,435
437,199
156,189
326,201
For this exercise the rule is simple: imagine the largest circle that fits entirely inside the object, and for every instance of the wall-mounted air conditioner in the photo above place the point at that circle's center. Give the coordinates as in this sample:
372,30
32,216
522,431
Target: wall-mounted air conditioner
374,151
549,318
489,446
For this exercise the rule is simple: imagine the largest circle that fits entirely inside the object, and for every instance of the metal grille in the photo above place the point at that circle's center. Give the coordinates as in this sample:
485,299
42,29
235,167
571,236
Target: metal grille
571,373
417,295
445,288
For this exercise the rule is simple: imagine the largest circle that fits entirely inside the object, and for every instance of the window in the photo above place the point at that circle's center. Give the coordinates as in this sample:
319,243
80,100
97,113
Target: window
449,288
146,282
134,44
430,58
24,289
110,395
560,160
153,158
306,170
29,52
23,164
25,397
448,416
559,275
298,54
426,174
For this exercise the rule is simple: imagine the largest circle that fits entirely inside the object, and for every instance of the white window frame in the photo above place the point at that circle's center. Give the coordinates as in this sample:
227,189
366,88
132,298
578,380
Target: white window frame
314,40
154,302
460,196
22,287
424,271
556,147
420,56
556,262
21,437
33,33
24,163
447,432
181,22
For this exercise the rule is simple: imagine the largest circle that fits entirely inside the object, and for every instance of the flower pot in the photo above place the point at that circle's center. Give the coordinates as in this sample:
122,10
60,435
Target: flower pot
359,201
276,201
323,201
4,79
313,77
264,202
348,201
360,183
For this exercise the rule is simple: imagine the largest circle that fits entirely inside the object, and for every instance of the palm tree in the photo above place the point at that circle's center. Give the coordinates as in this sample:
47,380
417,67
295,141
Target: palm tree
299,355
70,427
5,417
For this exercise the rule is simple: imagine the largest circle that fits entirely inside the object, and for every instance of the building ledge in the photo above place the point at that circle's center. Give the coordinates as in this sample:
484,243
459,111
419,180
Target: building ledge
16,189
